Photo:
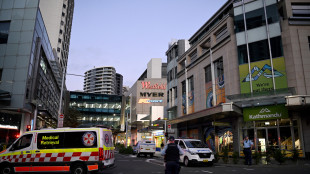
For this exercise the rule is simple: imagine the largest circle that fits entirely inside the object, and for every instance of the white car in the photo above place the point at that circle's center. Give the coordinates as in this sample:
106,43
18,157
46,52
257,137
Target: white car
195,151
145,147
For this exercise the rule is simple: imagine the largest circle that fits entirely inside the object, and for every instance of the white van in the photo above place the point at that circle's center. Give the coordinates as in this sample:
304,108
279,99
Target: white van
145,147
195,151
75,150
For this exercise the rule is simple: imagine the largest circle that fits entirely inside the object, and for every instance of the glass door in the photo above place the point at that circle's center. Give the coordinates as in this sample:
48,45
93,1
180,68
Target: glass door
261,139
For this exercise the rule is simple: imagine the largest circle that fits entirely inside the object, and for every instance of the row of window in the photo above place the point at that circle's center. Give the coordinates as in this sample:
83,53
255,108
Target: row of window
260,50
256,18
172,74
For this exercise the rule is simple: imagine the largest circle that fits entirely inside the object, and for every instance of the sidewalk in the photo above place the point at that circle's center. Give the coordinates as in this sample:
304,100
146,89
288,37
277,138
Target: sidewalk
262,163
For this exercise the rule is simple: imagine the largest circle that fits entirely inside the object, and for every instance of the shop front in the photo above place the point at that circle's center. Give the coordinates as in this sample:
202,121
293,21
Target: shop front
272,127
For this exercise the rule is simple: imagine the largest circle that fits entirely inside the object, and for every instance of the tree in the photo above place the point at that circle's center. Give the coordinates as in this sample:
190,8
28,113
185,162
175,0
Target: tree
71,118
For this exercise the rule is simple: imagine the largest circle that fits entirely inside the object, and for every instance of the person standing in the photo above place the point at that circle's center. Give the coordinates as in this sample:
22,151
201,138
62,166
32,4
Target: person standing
172,154
247,147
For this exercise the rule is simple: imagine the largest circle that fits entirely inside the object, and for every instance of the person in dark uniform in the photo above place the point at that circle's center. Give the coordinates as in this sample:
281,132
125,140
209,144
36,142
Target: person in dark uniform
172,154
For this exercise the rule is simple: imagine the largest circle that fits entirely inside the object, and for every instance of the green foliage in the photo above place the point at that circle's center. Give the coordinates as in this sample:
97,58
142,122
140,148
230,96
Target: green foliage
279,156
257,156
124,150
225,154
235,157
71,118
295,155
216,157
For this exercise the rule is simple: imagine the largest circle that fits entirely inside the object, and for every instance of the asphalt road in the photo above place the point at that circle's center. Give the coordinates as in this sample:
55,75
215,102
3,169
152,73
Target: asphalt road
142,165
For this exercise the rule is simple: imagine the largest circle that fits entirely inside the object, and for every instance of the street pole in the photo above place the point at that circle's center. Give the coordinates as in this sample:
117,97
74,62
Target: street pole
60,99
186,88
126,130
165,131
35,116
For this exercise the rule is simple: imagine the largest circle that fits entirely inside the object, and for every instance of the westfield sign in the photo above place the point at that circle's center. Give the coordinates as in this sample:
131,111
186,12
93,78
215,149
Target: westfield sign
147,85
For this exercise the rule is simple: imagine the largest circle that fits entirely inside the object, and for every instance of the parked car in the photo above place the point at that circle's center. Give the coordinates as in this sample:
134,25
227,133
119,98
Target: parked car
145,147
195,152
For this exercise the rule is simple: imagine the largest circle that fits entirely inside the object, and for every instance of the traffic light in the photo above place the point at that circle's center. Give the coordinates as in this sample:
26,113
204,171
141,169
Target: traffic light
28,127
166,134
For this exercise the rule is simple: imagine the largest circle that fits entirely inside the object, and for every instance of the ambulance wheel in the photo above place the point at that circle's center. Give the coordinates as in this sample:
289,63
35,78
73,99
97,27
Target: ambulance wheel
6,169
78,169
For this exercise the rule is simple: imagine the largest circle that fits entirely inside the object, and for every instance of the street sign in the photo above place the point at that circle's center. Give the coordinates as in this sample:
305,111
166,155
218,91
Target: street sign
169,126
61,116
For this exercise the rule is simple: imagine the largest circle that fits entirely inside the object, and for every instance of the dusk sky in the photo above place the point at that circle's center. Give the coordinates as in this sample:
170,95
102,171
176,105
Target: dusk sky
126,34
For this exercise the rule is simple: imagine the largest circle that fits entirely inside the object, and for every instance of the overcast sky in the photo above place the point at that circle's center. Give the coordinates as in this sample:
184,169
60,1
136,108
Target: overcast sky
126,34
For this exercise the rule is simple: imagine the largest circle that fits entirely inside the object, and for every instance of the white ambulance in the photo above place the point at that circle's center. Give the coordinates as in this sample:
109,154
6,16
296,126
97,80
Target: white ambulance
75,150
195,151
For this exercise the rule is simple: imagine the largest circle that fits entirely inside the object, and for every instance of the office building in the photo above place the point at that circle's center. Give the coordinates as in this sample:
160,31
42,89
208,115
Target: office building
175,49
30,89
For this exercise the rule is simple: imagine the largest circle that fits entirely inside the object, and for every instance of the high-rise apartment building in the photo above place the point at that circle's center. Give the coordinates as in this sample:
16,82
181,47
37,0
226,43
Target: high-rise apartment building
103,80
30,70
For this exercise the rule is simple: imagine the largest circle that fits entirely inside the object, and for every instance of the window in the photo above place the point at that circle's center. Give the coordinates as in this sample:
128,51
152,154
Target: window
308,43
276,47
255,18
4,31
208,76
259,50
301,9
193,56
272,14
43,65
60,31
50,140
23,142
64,6
63,14
175,92
221,33
191,84
183,88
239,23
58,49
219,69
242,54
182,145
176,71
176,52
59,40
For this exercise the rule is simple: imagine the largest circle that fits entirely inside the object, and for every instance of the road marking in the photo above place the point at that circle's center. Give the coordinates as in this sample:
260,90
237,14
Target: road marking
219,166
206,171
247,169
122,160
153,161
136,160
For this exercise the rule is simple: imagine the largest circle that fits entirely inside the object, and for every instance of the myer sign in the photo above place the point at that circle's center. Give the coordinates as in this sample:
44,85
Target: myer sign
265,113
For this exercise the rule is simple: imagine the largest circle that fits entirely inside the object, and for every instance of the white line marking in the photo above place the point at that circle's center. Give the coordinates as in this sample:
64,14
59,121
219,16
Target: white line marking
122,160
247,169
206,171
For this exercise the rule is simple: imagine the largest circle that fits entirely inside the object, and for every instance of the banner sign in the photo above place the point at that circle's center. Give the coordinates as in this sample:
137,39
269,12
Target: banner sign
265,113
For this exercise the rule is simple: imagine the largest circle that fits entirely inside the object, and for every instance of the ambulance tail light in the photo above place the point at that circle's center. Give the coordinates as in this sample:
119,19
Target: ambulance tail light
101,154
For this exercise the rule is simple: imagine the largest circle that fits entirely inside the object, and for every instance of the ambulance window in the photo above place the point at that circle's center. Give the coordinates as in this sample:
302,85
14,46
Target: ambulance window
50,140
85,139
23,142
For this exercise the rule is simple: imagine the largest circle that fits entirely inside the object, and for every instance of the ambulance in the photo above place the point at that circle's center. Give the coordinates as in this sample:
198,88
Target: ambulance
75,150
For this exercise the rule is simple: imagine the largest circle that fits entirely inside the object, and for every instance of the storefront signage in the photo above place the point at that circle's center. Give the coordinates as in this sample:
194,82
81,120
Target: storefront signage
148,85
265,113
151,94
147,100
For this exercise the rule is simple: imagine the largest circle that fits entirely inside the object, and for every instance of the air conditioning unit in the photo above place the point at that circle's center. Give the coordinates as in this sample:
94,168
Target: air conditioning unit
297,100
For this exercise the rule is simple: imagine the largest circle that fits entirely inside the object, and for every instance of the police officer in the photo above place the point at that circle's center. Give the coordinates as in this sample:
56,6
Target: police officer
172,154
247,147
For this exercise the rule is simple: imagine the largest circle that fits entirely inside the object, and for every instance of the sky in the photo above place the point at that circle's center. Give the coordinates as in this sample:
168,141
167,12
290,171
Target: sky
126,34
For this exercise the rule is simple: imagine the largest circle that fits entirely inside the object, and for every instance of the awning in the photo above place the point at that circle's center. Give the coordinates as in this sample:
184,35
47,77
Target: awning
223,109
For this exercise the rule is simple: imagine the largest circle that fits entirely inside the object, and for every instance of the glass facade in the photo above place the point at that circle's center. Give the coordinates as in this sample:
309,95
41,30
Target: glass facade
4,31
97,109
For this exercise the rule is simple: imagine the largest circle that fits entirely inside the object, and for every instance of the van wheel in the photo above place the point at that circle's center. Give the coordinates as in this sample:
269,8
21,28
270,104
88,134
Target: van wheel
78,169
151,155
6,169
186,162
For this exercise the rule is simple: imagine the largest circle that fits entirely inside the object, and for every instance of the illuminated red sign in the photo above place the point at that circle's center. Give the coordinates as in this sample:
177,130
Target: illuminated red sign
147,85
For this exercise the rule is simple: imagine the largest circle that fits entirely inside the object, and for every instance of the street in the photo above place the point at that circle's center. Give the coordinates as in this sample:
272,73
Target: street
130,164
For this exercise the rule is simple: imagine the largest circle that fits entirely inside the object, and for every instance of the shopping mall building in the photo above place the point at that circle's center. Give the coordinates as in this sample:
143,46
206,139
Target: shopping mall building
147,101
247,73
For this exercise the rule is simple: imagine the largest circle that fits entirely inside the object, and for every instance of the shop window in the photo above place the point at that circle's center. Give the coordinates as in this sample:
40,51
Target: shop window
286,138
4,31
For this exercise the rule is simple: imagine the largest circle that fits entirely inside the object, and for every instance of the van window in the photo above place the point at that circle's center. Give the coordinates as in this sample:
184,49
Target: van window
50,140
23,142
85,139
